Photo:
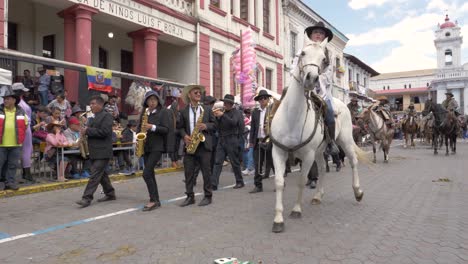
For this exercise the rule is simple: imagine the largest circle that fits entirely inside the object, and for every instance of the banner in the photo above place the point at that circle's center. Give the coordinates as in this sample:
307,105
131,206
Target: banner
99,79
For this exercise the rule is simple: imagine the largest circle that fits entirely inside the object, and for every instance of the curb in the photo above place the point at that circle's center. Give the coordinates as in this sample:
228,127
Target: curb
75,183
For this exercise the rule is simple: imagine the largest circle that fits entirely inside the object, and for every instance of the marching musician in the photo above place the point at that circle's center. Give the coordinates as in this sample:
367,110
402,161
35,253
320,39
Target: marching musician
230,124
258,137
157,129
99,133
188,122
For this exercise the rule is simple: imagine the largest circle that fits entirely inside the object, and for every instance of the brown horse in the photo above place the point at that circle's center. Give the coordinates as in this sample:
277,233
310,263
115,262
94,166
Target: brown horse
410,127
445,124
378,131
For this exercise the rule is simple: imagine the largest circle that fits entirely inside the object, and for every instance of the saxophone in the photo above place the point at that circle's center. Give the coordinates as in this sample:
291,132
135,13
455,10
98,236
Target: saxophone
83,141
141,137
197,135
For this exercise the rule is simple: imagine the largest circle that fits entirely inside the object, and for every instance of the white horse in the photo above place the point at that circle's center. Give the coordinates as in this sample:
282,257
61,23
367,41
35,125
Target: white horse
296,129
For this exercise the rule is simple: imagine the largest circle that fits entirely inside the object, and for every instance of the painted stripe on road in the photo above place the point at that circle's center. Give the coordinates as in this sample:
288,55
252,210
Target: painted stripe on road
9,238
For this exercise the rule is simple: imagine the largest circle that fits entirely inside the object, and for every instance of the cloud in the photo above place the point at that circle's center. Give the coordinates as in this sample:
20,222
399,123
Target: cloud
370,15
360,4
438,6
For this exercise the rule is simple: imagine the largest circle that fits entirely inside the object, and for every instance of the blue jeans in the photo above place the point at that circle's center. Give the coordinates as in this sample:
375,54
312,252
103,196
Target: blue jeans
330,116
248,159
44,97
9,161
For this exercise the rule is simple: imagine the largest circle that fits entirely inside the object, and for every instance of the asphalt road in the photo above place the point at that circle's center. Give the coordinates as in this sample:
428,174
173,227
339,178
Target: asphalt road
414,211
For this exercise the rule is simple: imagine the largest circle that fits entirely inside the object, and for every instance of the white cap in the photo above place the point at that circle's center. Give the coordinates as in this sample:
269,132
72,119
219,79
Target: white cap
19,87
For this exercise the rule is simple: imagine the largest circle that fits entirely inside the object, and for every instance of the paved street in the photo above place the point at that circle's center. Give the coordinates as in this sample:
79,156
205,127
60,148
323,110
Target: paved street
410,214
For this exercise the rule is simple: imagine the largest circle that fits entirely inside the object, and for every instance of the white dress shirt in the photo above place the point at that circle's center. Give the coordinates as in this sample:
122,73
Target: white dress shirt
261,127
197,115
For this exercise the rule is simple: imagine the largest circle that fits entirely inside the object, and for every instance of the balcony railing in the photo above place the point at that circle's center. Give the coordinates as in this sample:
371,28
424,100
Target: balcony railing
183,6
451,75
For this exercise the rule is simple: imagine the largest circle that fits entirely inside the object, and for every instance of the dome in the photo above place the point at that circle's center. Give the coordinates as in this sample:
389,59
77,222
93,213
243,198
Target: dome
447,24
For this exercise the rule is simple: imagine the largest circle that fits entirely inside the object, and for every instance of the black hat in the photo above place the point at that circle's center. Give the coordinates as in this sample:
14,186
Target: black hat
228,98
149,94
319,25
449,93
209,100
77,109
262,93
10,93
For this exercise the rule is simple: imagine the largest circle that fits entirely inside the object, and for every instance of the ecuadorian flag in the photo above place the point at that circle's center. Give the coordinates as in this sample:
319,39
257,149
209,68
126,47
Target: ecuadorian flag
99,79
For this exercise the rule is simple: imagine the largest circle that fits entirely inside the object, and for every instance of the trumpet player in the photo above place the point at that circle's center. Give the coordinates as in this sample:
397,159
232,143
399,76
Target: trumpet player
194,112
157,129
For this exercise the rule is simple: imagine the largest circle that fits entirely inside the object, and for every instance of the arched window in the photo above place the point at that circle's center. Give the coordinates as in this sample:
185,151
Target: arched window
448,57
409,85
405,86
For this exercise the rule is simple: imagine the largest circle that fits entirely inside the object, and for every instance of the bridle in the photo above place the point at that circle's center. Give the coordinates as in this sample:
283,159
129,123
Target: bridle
301,67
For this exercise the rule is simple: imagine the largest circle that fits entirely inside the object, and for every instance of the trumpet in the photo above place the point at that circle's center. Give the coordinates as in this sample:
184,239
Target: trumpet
83,141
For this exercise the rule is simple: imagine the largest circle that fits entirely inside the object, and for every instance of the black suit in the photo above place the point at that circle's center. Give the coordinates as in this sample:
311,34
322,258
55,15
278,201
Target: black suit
202,155
155,145
99,134
261,153
230,128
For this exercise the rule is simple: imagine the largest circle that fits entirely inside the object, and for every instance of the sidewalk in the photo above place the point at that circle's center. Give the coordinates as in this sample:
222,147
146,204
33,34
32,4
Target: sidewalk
50,186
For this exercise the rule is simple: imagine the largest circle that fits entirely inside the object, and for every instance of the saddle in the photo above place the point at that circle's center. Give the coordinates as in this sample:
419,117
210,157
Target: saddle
318,104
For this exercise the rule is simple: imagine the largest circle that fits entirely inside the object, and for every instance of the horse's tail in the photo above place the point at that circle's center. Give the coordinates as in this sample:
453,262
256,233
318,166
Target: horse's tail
361,155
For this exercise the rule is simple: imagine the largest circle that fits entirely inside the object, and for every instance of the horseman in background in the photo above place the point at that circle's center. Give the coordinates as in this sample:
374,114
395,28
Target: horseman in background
450,104
354,109
318,33
384,110
410,112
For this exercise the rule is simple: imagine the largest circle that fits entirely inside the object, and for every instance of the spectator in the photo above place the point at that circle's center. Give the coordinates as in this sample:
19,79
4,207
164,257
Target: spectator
43,88
247,159
38,124
72,134
13,124
56,139
27,80
111,106
55,115
61,103
128,137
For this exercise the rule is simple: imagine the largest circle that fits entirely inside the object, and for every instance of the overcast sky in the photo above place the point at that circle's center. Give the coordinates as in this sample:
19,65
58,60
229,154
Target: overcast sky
393,35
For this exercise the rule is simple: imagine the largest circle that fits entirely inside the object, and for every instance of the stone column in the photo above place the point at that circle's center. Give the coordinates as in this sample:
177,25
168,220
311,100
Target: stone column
2,24
145,51
70,76
138,53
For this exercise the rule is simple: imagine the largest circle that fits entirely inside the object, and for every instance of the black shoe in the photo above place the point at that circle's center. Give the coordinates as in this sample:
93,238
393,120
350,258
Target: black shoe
2,186
256,190
309,181
205,201
214,188
188,201
238,185
83,203
265,177
313,184
338,167
151,208
107,198
13,187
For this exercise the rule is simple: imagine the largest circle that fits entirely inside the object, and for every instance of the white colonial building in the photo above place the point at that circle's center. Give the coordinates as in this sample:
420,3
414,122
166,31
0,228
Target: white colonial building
358,74
451,74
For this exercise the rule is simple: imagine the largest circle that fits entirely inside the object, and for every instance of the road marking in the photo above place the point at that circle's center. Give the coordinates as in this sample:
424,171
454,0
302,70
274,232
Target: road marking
4,238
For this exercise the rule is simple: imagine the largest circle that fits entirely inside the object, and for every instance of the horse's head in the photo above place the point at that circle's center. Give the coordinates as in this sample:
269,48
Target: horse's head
428,107
311,62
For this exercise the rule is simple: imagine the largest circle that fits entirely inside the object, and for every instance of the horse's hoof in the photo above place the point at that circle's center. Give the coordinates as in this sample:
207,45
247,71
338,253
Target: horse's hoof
375,161
278,227
385,161
295,215
447,154
359,195
436,153
316,201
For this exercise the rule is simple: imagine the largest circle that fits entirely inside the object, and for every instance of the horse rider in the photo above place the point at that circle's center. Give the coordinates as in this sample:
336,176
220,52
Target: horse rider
354,109
318,33
450,104
410,112
384,110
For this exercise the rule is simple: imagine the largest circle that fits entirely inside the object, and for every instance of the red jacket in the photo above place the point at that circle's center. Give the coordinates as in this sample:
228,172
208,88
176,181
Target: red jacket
20,125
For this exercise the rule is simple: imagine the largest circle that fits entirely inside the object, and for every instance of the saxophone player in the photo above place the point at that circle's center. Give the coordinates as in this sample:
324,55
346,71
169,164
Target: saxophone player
200,118
157,129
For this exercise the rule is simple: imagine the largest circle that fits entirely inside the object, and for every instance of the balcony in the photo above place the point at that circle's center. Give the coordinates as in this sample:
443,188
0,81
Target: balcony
454,74
183,6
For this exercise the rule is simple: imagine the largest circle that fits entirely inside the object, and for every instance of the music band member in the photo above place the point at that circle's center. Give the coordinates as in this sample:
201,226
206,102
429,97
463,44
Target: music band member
157,129
258,136
230,124
99,133
189,120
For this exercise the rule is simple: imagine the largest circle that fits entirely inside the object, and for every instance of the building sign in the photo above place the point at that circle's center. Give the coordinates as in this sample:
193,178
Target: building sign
139,14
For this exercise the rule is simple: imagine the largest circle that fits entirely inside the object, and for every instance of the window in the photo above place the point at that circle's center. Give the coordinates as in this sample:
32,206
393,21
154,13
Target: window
266,16
217,75
293,44
409,85
427,84
388,87
244,10
384,87
12,36
337,68
365,82
232,7
357,78
350,75
268,76
405,86
48,46
416,100
103,58
448,57
447,34
215,3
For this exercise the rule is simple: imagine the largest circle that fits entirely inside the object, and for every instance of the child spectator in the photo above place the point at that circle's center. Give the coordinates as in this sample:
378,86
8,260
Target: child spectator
56,139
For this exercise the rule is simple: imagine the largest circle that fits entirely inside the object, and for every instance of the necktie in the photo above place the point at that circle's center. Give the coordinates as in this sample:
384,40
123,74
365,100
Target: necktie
194,109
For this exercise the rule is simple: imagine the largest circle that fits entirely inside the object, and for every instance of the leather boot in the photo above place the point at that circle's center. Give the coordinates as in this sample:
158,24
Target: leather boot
332,147
188,201
27,174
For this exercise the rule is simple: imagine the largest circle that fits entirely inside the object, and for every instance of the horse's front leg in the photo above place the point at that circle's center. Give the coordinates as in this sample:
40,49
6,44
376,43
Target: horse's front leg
405,145
374,150
279,160
446,145
317,199
352,153
435,143
305,169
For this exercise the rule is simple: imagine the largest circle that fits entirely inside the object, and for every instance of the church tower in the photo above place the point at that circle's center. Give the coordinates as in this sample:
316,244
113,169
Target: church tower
448,42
